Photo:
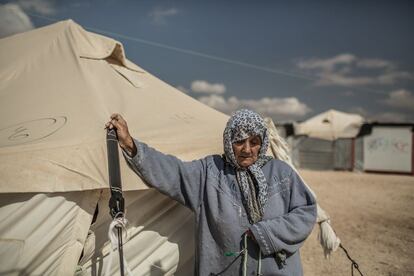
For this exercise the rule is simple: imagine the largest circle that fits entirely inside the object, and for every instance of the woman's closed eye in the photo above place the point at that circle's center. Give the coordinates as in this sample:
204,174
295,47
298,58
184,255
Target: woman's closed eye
255,142
239,143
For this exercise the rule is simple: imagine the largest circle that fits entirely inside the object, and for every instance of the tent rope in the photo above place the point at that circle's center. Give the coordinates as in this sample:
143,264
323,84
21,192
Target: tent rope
354,264
119,223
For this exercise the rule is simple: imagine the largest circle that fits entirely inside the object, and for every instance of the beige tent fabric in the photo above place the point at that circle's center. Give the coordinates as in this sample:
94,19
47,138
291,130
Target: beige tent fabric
161,237
331,125
43,234
58,86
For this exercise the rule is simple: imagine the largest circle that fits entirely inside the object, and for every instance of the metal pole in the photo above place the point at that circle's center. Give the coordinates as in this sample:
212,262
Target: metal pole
121,253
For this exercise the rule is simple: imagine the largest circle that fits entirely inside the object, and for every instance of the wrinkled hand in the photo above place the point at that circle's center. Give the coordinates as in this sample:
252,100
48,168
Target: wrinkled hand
124,138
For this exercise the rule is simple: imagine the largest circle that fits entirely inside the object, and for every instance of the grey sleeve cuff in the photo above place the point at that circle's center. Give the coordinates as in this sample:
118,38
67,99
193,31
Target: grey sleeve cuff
137,159
262,238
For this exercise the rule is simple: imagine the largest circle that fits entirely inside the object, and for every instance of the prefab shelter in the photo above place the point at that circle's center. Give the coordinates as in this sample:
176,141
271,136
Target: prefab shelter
325,141
312,153
331,125
319,154
58,86
344,154
385,147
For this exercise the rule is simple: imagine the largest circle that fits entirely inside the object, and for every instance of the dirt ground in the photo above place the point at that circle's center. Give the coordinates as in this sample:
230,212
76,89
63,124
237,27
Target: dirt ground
373,215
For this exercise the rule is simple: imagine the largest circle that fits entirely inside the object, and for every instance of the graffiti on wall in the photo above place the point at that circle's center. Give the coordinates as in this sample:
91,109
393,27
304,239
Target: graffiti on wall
386,144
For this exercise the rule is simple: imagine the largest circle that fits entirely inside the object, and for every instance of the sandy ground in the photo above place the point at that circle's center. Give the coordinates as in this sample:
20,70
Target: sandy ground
373,215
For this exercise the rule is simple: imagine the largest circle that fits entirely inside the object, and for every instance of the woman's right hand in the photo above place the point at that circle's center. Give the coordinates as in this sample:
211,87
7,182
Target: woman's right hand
124,138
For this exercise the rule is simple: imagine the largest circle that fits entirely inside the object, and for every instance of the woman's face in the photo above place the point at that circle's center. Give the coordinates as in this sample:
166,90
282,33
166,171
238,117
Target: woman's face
247,151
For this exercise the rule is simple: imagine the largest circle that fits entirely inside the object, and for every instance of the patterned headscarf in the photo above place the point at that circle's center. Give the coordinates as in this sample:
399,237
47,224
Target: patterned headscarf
241,125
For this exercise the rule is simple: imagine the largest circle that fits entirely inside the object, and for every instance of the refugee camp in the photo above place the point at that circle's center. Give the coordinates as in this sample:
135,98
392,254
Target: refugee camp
206,138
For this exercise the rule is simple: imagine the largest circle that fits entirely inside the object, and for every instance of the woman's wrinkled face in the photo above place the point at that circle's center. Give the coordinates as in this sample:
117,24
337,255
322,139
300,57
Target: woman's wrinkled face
247,151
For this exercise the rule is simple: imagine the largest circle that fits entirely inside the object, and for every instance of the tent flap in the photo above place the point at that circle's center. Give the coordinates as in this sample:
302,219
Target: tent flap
43,234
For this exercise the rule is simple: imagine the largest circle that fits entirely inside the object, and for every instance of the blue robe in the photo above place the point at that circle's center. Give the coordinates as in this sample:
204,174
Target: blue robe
209,188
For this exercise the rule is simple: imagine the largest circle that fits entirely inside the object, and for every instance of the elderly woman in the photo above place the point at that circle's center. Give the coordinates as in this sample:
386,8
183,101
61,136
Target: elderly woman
252,212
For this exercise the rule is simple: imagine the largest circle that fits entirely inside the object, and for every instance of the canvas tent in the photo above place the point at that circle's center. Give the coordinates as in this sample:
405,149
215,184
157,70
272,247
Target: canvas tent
58,86
325,141
330,125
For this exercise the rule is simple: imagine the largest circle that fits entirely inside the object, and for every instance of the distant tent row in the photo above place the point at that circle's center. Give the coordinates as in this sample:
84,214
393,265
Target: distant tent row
336,140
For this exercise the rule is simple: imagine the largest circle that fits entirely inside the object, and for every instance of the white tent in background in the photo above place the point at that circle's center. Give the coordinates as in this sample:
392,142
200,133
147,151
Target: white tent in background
58,86
330,125
325,141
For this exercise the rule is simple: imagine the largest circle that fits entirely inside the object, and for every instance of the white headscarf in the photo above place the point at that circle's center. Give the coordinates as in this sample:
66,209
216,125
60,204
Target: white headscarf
241,125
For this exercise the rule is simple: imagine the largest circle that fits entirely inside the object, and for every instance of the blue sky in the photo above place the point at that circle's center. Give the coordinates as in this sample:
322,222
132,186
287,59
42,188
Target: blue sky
286,59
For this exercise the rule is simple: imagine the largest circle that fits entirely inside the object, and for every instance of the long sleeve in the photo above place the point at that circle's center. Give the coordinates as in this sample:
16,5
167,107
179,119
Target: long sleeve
288,232
182,181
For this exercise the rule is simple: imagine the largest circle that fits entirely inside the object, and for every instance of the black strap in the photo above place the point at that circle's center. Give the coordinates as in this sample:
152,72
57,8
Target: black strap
116,202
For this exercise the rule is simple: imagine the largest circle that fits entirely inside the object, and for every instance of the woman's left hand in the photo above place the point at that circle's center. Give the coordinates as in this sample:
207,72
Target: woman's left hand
124,138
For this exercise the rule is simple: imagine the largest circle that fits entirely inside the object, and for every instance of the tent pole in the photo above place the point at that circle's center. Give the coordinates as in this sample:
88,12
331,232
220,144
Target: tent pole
121,253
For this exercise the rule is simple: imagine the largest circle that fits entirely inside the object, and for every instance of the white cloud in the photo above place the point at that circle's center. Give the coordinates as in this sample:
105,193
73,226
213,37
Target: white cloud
44,7
393,77
400,99
201,86
159,16
217,102
339,78
278,108
13,20
326,64
374,63
350,70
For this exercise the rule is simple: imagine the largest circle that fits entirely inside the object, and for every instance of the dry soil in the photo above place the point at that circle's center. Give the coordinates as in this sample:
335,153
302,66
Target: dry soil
373,215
